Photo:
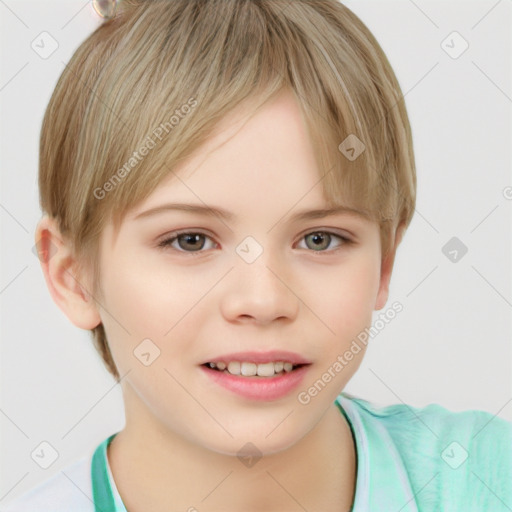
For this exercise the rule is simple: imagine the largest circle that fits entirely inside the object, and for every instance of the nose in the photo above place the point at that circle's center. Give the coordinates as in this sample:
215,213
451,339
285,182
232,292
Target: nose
259,292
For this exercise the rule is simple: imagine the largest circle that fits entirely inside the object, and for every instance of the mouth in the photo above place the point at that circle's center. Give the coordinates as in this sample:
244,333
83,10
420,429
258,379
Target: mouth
249,369
260,382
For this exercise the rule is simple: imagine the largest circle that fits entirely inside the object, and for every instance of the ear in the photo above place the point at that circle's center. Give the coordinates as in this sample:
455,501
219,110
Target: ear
59,269
387,269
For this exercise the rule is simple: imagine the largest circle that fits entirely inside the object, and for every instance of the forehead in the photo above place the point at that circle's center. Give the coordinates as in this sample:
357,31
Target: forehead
248,160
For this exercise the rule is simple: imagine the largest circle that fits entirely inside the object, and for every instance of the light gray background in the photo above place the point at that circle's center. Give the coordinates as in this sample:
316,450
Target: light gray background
452,342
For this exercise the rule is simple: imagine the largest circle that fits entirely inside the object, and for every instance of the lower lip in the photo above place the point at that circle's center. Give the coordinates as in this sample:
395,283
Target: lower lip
259,388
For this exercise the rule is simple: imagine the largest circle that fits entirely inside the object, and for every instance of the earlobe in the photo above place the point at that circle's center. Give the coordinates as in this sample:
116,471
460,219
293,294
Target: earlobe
59,268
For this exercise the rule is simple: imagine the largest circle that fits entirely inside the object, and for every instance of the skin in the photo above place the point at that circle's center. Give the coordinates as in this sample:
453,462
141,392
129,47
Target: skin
183,430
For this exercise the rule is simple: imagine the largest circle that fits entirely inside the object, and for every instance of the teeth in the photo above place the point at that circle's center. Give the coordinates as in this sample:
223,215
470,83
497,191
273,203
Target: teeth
251,369
234,368
265,370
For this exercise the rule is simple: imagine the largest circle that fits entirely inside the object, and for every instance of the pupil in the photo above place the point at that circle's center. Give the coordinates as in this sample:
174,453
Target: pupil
318,238
191,239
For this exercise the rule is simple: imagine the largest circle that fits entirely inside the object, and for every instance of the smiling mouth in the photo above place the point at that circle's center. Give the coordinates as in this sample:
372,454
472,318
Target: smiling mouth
245,369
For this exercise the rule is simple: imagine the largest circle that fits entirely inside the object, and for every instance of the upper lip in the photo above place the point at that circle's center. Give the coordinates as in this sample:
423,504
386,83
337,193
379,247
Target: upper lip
260,357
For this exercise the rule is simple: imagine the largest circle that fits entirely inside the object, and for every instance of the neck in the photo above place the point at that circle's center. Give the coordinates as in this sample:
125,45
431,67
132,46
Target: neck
155,469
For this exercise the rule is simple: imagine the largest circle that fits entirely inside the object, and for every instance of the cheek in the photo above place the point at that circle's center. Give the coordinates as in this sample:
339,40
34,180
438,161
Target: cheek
146,296
153,301
343,296
137,304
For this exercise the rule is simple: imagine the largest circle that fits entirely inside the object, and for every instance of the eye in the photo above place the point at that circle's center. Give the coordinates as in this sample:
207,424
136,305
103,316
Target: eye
186,242
318,241
195,242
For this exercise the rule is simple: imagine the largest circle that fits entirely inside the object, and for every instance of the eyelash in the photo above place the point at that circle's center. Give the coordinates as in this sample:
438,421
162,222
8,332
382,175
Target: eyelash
166,243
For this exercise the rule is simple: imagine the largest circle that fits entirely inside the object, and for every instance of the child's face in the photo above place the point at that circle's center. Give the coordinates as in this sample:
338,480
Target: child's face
308,295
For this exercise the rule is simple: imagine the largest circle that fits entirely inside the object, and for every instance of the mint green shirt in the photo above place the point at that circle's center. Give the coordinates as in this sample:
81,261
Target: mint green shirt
408,460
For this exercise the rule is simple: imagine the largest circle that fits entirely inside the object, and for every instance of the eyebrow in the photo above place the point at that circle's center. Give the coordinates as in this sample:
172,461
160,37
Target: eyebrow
211,211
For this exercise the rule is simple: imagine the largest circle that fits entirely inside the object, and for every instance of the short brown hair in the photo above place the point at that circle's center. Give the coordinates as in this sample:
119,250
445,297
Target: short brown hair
182,65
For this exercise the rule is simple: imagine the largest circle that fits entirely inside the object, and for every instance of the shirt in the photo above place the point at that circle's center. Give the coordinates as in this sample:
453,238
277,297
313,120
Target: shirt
409,459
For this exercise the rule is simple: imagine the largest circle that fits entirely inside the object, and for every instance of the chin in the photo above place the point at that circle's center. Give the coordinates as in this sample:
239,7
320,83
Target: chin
256,442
